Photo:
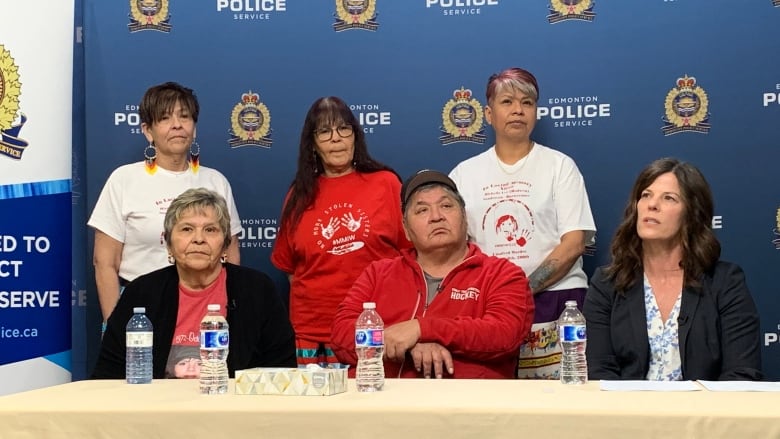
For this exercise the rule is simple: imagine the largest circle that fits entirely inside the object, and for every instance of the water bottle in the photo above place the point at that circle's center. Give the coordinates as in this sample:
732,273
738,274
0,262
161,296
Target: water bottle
573,338
214,342
369,346
138,356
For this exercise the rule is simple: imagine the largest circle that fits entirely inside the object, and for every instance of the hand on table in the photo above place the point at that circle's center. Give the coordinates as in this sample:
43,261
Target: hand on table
432,358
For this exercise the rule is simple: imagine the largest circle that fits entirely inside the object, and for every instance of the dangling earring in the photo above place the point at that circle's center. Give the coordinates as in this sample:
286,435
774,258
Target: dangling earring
314,153
150,158
194,156
171,260
223,259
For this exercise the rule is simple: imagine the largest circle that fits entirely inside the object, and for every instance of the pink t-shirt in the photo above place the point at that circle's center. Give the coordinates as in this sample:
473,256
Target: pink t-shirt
184,357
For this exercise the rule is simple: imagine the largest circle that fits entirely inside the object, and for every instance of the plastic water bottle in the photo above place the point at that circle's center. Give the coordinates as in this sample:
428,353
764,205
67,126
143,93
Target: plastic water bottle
138,356
369,346
573,339
214,342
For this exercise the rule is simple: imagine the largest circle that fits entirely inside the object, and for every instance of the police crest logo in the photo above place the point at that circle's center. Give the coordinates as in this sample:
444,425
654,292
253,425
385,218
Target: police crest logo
563,10
149,15
250,123
10,88
355,14
461,119
686,108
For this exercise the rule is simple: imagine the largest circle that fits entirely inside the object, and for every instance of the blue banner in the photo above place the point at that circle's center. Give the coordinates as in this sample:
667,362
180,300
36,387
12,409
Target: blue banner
35,193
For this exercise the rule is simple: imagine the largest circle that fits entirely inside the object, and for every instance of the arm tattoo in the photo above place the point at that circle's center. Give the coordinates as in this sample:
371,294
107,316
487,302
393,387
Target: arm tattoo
539,278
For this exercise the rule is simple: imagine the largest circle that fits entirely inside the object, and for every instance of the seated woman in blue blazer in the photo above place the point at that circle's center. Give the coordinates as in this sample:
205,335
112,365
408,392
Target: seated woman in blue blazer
666,308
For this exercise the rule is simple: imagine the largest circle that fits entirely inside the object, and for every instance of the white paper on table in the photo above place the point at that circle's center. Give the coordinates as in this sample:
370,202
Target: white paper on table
741,386
653,386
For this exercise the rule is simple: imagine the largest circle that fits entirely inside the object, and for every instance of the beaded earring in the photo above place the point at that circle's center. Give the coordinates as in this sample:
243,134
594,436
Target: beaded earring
150,158
194,156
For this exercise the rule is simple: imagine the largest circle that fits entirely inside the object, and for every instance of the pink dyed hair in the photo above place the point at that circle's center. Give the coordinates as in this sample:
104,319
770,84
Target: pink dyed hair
513,78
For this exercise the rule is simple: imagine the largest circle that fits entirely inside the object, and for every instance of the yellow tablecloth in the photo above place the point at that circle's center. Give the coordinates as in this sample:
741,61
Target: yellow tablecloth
407,409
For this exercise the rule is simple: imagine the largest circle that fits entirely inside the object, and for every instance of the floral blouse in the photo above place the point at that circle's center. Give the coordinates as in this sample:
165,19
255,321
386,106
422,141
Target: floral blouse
665,364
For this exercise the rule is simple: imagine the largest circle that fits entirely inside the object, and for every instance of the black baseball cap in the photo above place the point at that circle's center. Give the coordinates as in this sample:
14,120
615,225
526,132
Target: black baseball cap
422,178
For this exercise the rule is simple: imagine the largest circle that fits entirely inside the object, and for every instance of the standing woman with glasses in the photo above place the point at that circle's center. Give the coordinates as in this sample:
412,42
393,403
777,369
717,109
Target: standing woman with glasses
341,213
128,217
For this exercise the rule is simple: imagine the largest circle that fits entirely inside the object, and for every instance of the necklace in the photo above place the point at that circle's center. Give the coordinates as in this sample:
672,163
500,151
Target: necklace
517,166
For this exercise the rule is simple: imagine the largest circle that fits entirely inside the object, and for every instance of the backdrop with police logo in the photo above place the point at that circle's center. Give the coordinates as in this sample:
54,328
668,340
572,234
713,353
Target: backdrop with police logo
622,83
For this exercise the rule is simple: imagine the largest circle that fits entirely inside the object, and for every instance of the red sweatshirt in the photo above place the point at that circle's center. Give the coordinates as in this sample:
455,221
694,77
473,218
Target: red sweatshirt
482,313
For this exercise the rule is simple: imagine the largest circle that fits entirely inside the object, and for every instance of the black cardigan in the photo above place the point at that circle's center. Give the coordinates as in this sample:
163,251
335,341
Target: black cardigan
719,331
260,330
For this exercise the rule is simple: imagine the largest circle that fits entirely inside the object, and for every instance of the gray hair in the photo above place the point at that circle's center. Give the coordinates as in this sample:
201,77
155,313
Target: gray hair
198,199
515,85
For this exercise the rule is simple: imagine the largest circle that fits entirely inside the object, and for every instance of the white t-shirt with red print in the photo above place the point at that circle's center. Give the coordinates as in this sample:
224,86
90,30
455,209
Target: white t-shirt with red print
520,211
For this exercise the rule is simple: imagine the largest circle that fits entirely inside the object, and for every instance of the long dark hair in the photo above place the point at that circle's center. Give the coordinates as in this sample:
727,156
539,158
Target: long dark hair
327,111
700,247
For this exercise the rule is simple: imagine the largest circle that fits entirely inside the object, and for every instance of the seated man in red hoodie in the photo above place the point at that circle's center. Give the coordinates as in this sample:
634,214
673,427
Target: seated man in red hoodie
449,309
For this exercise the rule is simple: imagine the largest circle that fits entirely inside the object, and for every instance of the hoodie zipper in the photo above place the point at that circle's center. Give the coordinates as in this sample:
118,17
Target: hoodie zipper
414,314
425,307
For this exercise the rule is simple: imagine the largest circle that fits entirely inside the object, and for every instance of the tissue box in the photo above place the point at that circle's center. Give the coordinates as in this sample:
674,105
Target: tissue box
281,381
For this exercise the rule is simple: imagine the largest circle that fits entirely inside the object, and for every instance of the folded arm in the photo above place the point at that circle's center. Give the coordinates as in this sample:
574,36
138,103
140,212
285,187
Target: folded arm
503,326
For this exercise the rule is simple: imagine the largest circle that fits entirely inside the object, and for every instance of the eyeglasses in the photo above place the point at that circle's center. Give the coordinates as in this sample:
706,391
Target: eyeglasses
325,134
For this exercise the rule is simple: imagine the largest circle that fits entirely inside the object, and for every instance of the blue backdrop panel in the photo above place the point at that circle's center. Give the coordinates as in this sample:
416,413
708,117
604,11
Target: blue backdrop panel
605,74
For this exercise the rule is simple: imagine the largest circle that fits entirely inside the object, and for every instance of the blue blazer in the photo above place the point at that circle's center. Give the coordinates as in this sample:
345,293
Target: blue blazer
718,323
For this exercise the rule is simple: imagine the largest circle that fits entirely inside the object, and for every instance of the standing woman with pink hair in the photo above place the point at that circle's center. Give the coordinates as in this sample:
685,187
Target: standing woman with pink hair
540,189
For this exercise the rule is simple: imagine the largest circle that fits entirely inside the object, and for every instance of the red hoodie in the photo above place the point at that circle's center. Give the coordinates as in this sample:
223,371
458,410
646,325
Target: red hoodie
482,313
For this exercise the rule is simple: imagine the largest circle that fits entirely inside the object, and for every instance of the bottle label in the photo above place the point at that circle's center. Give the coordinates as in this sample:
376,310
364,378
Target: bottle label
573,333
367,338
214,339
139,339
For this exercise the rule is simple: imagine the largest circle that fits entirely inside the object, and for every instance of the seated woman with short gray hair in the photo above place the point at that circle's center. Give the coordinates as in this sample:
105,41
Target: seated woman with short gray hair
197,235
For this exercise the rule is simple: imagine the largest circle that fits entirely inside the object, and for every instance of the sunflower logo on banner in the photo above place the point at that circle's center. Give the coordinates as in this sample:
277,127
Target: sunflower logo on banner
686,108
355,14
149,15
562,10
10,88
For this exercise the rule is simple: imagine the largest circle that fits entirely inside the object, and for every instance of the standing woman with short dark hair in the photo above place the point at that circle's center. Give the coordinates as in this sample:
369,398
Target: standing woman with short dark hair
128,216
341,213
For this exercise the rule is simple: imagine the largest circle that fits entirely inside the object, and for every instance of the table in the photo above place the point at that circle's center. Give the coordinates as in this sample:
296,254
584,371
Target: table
407,409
